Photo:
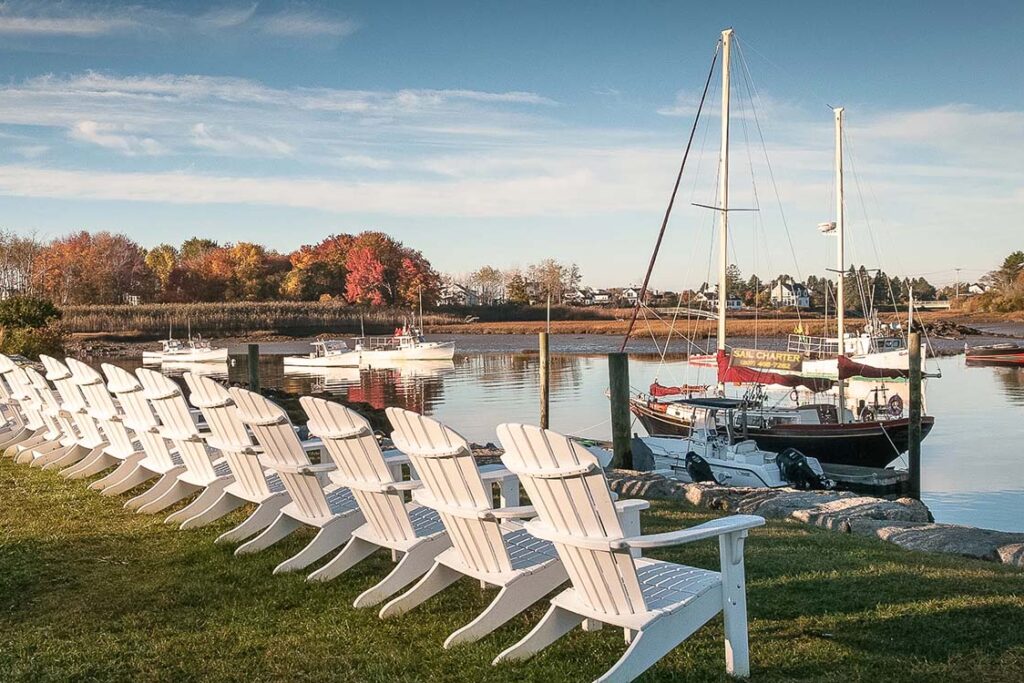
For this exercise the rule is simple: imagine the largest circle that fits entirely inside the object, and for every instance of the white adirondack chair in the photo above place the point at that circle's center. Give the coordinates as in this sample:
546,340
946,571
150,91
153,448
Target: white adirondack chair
659,604
158,460
375,479
88,439
206,472
60,436
252,482
332,509
120,446
24,420
488,544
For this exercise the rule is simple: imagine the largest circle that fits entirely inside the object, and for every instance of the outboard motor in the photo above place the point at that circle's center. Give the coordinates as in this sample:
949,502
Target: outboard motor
795,469
698,468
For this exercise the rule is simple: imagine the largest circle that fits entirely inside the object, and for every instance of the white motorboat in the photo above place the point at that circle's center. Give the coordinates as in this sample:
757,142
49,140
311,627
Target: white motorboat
407,343
328,353
711,452
197,350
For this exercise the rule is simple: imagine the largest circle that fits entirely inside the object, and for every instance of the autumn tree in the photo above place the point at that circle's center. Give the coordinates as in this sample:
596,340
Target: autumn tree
365,283
162,260
488,282
318,270
84,268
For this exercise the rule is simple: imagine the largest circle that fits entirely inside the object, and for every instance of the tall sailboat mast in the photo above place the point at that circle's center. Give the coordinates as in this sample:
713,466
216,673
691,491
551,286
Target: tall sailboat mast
840,255
723,195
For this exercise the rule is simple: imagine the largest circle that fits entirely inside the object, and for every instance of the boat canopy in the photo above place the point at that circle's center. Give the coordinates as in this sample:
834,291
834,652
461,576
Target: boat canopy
713,403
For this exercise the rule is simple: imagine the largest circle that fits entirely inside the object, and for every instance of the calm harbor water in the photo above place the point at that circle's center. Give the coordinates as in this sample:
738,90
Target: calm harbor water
972,462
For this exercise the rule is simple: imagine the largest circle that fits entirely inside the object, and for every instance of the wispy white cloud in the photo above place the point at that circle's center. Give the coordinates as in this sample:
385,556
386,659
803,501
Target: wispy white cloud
91,20
230,142
31,151
109,136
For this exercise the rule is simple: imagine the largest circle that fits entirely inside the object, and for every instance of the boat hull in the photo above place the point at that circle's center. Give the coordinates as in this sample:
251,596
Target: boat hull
347,360
427,352
210,356
1000,354
866,444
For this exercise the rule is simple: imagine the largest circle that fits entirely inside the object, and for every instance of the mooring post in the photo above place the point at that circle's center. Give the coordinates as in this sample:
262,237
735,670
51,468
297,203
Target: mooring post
618,393
914,446
254,367
545,377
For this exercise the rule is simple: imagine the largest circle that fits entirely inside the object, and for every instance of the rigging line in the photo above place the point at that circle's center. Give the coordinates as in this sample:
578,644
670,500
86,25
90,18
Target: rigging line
671,201
768,163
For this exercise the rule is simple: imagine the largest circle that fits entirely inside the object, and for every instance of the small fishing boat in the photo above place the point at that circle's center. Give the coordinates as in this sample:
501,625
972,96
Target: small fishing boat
327,353
712,451
996,354
407,343
191,350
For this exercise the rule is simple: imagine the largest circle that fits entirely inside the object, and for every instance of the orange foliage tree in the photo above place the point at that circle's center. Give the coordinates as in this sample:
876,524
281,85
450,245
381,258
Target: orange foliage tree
99,268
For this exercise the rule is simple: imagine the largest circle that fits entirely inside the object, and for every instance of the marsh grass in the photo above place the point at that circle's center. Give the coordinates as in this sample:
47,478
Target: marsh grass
90,591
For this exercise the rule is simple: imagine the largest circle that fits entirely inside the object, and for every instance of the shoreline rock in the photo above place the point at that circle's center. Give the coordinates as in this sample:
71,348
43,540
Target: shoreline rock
905,522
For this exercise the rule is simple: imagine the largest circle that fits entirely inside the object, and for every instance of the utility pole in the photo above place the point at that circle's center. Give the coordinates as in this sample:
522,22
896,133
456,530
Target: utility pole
957,282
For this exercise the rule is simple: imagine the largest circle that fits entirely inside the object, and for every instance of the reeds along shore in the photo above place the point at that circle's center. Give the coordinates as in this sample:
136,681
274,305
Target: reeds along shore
303,318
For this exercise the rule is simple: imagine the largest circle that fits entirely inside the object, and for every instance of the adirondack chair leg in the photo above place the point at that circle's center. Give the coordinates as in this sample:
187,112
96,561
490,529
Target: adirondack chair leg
208,497
94,463
29,455
354,552
178,491
75,454
330,536
511,600
433,582
278,529
555,624
125,477
37,437
734,604
412,566
50,454
260,519
222,506
16,436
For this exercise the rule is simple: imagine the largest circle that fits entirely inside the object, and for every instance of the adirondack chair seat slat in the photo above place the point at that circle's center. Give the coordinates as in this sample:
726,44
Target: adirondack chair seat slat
422,452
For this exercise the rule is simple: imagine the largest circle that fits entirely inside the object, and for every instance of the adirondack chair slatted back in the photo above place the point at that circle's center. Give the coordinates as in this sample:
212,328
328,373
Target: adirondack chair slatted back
568,488
228,434
57,423
138,414
176,421
22,392
101,407
72,400
349,440
281,449
448,470
5,388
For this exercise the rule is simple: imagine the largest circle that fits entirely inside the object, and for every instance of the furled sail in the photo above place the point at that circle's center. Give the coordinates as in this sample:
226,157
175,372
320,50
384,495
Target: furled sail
728,371
851,368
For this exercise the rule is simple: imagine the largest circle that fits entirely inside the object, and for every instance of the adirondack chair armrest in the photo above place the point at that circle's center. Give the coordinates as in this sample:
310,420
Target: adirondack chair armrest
498,473
396,457
410,485
712,529
518,512
304,469
314,444
631,504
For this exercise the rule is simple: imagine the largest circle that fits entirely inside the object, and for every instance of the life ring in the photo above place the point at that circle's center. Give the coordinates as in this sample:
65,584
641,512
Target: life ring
865,413
895,405
795,395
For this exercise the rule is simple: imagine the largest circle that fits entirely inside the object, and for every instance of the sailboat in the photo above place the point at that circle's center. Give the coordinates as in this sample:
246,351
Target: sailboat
874,436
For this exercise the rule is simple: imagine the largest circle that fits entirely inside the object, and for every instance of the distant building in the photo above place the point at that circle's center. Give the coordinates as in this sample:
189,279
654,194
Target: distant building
454,294
974,288
132,299
602,297
787,293
709,295
580,297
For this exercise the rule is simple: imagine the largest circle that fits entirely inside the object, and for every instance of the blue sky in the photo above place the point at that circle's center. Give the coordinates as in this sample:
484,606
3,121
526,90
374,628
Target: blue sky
502,133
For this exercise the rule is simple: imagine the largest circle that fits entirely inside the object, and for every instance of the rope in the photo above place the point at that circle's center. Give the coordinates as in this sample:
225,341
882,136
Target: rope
671,202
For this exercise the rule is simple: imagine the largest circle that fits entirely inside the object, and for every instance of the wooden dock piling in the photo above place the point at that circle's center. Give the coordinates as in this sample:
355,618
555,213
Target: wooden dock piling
618,394
914,449
254,367
545,377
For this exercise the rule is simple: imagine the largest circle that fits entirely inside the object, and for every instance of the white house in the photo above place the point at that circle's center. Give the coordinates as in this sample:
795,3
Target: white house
709,295
976,288
787,293
454,294
580,297
602,297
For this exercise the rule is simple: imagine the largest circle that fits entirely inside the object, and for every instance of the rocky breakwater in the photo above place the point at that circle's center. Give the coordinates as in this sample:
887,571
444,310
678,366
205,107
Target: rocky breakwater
904,521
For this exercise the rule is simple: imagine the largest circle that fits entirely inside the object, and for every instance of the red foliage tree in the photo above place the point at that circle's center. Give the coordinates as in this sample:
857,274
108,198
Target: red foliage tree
365,283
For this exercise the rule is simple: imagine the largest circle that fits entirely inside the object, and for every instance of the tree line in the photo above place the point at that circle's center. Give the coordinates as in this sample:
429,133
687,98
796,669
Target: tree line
370,268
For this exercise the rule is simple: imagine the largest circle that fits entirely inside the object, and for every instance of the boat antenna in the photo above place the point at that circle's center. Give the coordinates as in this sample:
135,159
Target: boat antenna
548,328
840,256
421,309
189,323
671,202
362,330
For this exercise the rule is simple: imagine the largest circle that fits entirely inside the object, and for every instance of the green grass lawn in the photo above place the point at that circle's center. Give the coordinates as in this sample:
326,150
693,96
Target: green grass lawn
89,591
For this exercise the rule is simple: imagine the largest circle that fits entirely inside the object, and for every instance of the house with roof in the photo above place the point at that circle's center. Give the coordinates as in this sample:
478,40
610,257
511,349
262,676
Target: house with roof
454,294
790,294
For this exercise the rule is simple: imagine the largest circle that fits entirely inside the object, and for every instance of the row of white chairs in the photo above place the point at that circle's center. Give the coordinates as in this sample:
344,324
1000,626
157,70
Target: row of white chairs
440,514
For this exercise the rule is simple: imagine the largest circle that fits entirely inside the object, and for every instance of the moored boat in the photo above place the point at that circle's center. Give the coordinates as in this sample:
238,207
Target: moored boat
407,343
197,350
996,354
326,353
